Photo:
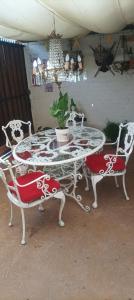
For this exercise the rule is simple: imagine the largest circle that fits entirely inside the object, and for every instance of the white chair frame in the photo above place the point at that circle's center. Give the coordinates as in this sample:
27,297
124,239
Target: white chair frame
72,116
14,196
123,152
15,125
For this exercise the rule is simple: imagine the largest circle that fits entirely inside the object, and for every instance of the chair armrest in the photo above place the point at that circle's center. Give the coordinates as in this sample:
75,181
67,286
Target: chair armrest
42,184
7,154
12,166
33,181
114,155
7,164
109,144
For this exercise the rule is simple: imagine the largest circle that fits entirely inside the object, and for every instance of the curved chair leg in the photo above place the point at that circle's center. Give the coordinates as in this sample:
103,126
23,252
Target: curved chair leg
23,242
60,195
11,215
95,179
116,181
41,208
124,187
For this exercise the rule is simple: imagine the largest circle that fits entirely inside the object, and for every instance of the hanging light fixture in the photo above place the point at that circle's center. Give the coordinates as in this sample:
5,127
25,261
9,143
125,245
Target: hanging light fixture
56,58
55,65
60,66
73,66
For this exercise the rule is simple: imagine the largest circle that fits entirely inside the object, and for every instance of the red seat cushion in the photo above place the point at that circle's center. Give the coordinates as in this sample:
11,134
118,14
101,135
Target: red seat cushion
31,193
96,163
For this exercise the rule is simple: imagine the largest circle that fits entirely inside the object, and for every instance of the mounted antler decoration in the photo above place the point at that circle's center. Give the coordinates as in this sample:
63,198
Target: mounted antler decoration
104,58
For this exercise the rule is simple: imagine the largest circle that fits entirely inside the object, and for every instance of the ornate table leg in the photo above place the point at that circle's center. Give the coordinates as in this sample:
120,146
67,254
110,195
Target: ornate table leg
72,193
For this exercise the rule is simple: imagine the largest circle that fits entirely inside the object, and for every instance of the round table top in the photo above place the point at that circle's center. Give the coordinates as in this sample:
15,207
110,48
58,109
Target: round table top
42,148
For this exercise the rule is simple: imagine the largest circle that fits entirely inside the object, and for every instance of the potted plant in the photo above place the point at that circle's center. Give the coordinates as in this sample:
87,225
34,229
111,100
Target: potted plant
111,131
60,111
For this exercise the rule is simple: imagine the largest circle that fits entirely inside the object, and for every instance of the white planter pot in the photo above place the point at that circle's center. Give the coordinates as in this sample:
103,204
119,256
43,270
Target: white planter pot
62,134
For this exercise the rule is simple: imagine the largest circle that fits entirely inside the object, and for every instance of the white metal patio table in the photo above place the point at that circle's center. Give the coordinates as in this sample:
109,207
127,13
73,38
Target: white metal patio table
42,149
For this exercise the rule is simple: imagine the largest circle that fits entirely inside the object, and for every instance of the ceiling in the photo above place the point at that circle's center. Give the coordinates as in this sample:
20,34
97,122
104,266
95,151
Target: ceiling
32,20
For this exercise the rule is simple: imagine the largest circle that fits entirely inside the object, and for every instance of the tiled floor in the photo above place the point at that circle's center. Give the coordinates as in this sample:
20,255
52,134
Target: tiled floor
91,258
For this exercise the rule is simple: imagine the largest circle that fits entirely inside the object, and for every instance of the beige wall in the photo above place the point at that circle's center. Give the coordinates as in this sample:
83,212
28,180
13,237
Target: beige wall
103,98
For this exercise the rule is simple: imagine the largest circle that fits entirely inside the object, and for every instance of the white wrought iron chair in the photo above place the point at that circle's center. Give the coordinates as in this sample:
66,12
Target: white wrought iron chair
72,119
101,165
14,133
29,190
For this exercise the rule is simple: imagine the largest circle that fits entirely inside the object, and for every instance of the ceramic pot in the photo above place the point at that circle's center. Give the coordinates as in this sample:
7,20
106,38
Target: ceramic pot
62,134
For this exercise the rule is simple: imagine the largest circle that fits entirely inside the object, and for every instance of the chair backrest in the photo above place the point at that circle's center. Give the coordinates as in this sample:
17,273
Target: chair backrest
125,140
75,119
14,131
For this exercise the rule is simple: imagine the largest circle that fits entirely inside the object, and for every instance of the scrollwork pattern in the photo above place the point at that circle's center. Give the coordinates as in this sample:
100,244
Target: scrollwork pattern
16,126
44,186
111,161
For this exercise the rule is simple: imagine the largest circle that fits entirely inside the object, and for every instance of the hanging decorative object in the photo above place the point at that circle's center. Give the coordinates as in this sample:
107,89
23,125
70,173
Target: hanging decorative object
124,60
104,58
61,66
38,71
54,71
73,62
73,66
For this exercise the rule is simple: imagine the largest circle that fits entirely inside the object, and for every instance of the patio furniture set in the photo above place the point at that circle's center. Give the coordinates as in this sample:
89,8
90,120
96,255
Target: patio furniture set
38,167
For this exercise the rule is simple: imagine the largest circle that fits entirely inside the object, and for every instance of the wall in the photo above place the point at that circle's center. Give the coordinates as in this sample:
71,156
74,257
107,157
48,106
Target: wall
103,98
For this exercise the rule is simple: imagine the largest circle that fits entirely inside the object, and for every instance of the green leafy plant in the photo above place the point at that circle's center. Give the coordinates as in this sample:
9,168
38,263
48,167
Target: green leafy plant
111,131
60,110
